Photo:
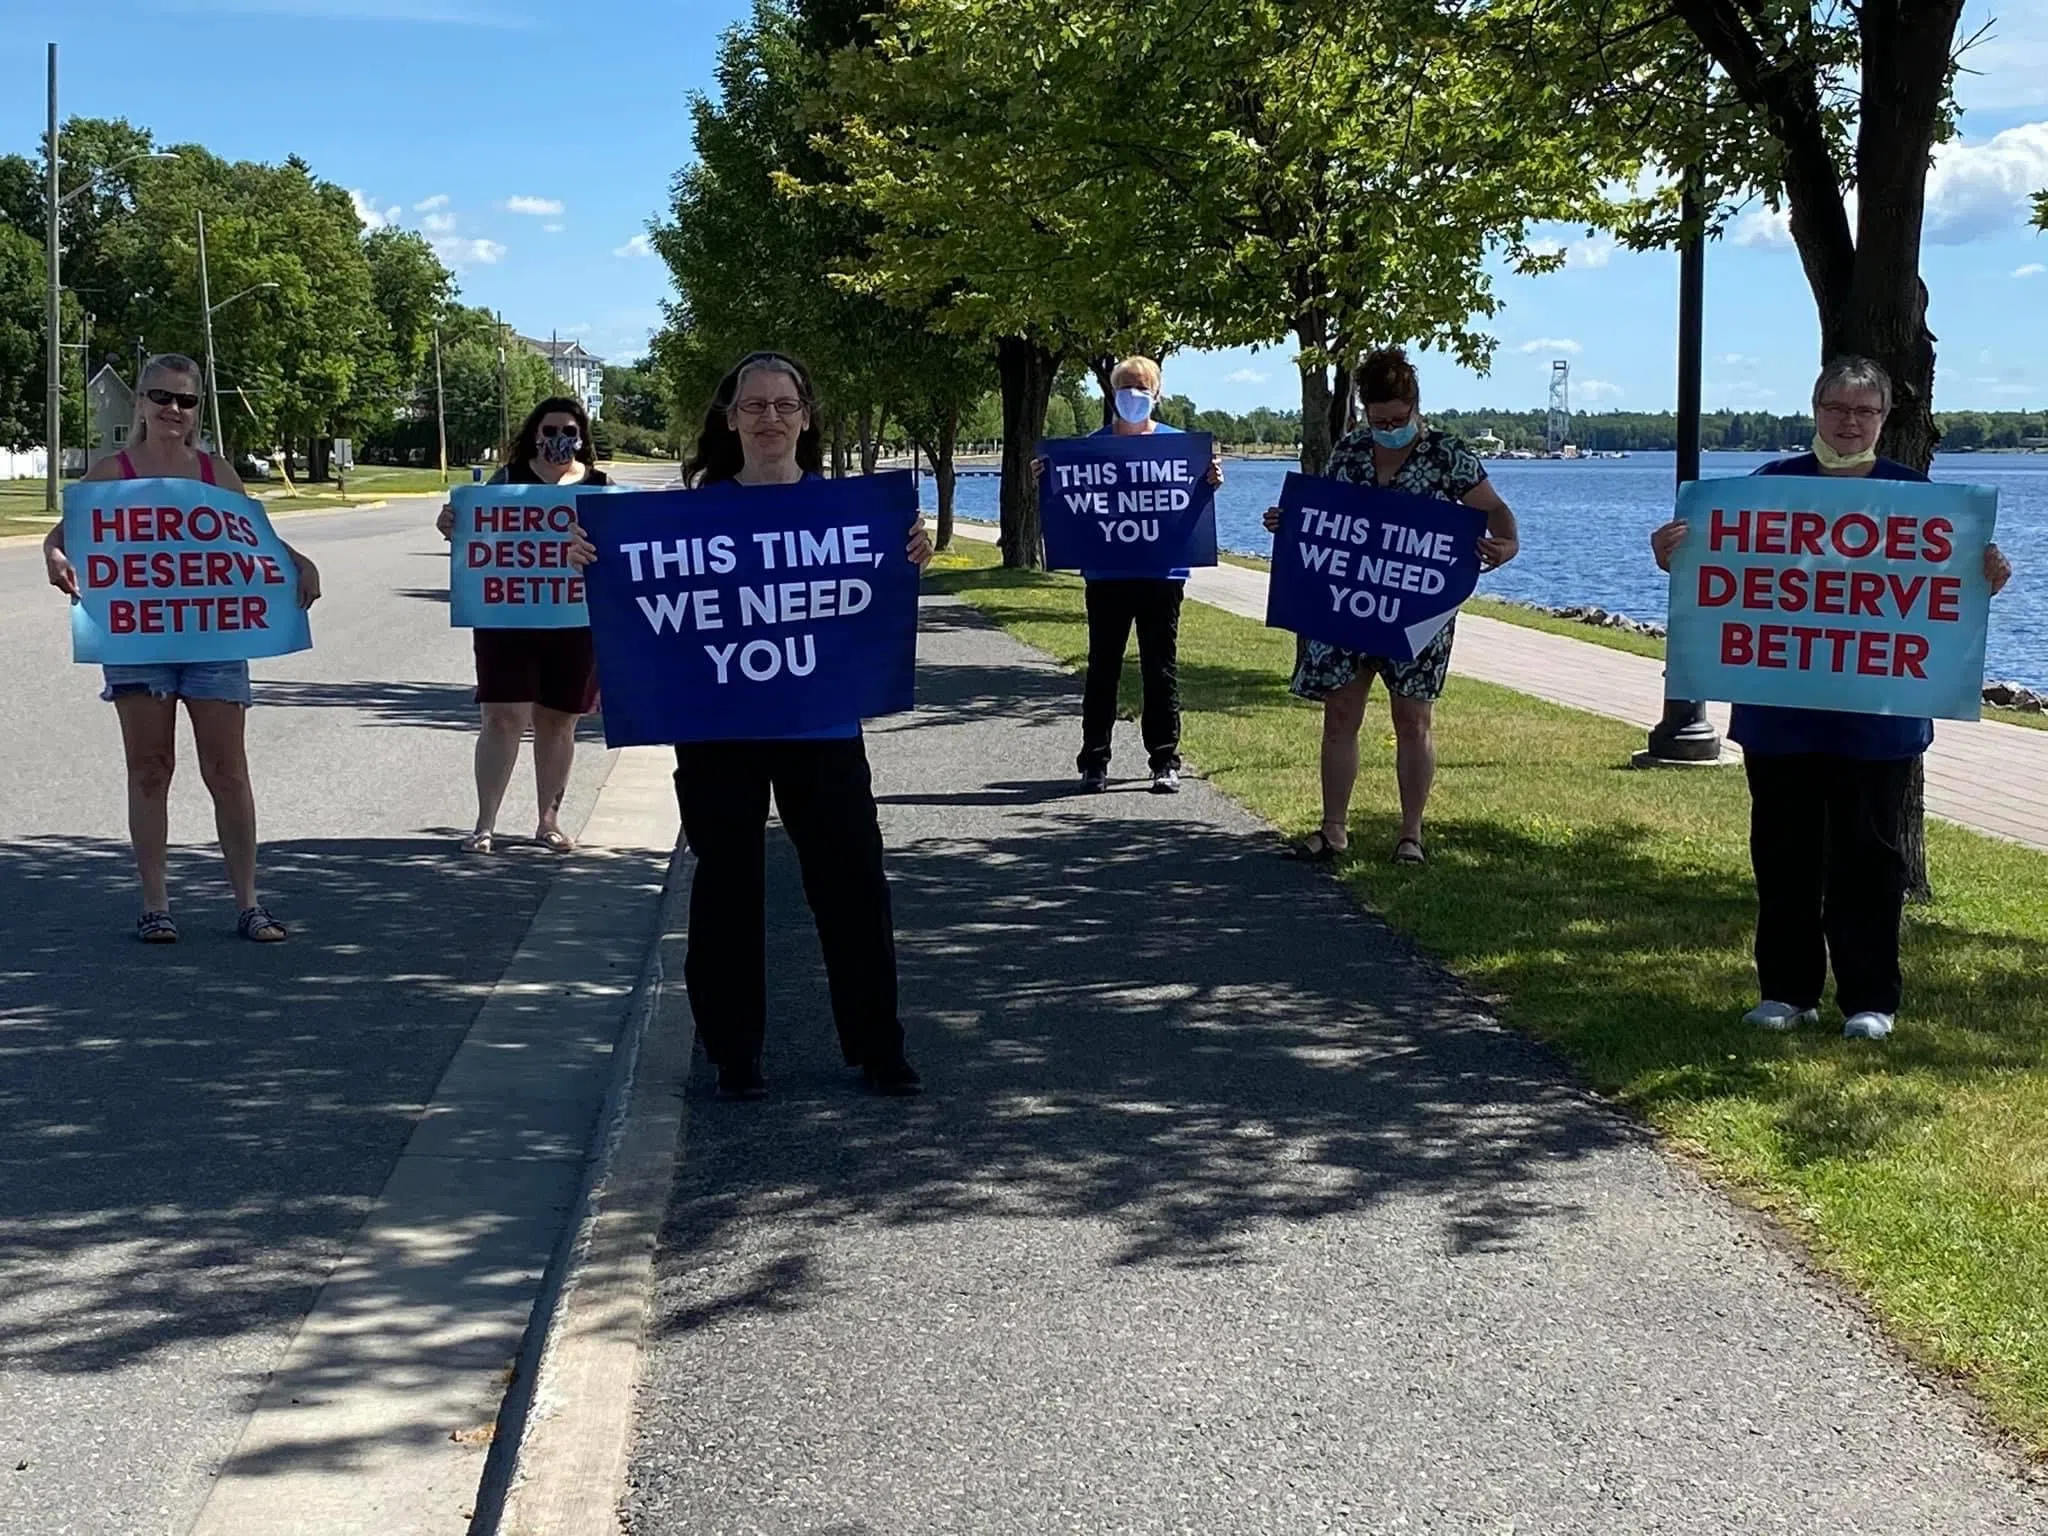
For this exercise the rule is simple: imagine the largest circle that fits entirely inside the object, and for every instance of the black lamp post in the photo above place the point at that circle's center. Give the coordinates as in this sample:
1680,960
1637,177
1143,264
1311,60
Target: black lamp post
1685,734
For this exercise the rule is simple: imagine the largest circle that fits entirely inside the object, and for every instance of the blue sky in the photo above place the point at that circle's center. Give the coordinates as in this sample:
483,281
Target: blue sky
533,143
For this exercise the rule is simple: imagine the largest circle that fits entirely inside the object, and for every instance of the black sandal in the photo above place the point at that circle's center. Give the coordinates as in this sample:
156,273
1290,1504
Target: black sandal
1417,857
1313,849
156,928
259,927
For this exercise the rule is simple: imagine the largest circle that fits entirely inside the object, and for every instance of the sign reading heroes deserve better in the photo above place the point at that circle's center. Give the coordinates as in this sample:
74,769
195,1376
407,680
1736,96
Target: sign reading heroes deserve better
749,613
1866,596
1139,505
178,571
1372,570
509,557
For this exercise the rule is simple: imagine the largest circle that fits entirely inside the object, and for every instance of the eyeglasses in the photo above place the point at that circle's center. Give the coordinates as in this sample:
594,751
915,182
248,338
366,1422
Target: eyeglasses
570,432
1384,424
754,410
173,397
1851,412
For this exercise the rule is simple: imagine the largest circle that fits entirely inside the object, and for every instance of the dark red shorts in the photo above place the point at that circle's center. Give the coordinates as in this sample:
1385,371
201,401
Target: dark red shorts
554,668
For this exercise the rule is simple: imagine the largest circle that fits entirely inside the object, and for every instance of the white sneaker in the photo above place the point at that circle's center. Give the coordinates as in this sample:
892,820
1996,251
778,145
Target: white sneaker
1780,1016
1866,1026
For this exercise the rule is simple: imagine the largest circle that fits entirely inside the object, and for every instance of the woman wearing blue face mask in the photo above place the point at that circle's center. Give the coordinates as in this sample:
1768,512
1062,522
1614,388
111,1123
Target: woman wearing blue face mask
1397,449
538,679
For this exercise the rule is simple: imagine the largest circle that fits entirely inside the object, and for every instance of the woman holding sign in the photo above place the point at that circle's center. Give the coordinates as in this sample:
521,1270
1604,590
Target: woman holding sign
762,430
163,444
1826,787
543,679
1394,449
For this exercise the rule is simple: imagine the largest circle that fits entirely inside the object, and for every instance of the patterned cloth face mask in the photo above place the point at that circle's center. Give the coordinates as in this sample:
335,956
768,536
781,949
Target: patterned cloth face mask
559,445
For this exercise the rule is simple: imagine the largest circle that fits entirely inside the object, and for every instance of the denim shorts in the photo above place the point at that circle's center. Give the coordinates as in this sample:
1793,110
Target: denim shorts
227,681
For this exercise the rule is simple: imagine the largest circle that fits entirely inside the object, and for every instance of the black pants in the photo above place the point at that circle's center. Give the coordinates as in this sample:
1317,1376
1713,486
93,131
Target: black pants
826,799
1824,836
1153,604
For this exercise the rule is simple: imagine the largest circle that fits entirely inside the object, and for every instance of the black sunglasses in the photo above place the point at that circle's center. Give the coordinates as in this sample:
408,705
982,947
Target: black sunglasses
571,432
172,397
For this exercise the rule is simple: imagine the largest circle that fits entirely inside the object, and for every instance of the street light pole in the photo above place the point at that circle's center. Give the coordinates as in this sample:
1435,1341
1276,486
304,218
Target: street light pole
54,405
440,405
206,308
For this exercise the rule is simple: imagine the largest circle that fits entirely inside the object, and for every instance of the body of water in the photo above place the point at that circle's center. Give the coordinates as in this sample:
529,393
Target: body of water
1586,526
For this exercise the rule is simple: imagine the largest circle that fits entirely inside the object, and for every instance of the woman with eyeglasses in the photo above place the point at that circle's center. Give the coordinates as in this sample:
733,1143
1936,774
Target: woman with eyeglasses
543,680
762,429
1397,449
163,444
1827,788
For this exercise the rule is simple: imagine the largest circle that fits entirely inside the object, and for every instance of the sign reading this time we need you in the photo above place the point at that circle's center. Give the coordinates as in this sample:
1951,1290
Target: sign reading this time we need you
175,571
1373,570
747,613
1135,505
1860,595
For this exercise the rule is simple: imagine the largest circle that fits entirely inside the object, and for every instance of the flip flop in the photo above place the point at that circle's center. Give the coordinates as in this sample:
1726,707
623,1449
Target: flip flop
477,842
555,840
1402,856
1313,849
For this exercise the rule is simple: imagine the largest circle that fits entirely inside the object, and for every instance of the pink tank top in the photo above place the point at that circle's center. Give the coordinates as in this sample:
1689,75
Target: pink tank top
128,467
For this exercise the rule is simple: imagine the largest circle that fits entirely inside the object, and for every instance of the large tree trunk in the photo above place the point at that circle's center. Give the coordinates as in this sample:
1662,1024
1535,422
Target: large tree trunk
871,438
317,454
1102,368
1026,369
1316,442
943,476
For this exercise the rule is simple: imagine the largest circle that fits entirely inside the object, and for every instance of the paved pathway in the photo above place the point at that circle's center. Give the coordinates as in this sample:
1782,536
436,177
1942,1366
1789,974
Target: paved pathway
1225,1214
190,1139
1983,774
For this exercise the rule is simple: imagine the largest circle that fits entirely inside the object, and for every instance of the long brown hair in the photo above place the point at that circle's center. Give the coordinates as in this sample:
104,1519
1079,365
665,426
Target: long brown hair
526,446
719,455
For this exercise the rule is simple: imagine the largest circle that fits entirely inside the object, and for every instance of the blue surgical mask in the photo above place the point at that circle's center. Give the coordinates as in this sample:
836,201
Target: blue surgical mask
1400,437
1134,405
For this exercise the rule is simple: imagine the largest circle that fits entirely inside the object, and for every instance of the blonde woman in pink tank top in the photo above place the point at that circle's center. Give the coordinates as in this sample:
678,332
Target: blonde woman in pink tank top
163,444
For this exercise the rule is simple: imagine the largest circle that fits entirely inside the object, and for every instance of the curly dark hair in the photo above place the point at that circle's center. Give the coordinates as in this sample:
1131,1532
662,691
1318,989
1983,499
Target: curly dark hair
719,456
526,446
1387,375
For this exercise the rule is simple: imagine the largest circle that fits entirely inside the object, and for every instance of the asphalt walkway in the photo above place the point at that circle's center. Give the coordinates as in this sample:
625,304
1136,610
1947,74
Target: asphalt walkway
1225,1213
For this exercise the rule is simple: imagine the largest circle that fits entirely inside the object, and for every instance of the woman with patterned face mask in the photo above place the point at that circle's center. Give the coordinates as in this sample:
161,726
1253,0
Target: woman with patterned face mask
542,679
1395,448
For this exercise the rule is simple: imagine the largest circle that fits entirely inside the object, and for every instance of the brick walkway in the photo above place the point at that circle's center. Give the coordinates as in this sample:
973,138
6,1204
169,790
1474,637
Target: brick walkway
1984,775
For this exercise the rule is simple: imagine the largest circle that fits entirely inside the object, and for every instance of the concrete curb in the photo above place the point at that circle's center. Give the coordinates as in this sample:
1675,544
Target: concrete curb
559,1463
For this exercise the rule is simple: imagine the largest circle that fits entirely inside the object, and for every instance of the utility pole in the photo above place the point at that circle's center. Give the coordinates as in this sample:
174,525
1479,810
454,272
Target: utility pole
54,403
85,381
504,400
206,308
440,405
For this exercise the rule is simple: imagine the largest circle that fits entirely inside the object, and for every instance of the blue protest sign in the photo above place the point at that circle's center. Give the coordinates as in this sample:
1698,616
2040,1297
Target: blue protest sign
1376,571
508,557
746,613
178,571
1866,596
1139,505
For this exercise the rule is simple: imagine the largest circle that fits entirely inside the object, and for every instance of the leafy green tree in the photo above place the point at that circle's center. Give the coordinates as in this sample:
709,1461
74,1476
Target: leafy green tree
22,329
636,396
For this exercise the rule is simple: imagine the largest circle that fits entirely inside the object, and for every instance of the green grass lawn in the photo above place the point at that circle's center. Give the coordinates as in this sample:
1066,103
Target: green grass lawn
21,507
1608,912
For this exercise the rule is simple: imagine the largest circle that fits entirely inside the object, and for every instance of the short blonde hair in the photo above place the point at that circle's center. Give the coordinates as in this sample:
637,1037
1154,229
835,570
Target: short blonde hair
1140,370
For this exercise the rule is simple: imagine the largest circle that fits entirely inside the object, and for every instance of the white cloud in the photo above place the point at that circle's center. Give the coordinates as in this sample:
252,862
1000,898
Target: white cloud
429,205
1245,376
438,223
1975,190
458,252
639,245
1738,360
1591,391
2031,269
539,207
1552,344
369,214
1770,227
1596,252
1546,247
551,229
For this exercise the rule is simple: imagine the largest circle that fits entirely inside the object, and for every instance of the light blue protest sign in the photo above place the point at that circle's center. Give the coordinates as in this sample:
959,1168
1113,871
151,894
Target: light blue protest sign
1373,570
758,612
508,557
178,571
1866,596
1136,505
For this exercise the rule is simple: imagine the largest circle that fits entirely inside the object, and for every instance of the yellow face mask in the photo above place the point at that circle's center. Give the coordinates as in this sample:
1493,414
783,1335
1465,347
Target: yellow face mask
1831,459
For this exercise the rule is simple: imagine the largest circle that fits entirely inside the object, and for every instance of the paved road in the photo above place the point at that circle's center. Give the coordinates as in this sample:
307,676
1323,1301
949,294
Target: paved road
1225,1215
189,1137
